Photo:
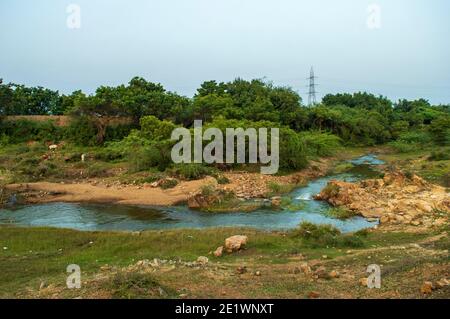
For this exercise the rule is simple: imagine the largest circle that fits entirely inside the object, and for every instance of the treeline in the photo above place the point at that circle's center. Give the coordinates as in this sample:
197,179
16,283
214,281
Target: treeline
350,119
357,118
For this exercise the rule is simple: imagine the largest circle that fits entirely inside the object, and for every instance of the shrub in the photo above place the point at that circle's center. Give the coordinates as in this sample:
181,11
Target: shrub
350,241
81,131
154,129
320,144
155,155
279,189
442,155
326,236
340,213
207,190
168,183
20,131
221,180
135,285
309,230
440,130
97,170
191,171
410,141
331,190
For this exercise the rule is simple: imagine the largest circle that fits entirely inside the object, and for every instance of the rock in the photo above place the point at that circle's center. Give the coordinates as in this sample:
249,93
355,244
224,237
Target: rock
276,201
384,219
324,256
235,243
258,273
305,268
442,283
424,206
440,222
202,260
162,292
427,288
334,274
395,199
53,147
322,273
219,251
241,270
107,267
313,295
363,282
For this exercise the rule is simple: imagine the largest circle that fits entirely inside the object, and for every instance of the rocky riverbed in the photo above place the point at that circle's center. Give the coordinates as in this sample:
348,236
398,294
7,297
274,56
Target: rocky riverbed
397,198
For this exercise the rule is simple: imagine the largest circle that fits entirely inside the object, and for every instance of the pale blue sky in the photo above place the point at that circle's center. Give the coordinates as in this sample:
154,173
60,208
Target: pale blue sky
181,43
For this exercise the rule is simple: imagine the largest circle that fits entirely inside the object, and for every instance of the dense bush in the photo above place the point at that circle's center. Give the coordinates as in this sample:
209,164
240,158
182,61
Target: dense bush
411,141
157,154
20,131
320,144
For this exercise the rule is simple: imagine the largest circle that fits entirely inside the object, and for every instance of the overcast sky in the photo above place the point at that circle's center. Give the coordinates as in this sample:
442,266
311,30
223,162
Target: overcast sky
181,43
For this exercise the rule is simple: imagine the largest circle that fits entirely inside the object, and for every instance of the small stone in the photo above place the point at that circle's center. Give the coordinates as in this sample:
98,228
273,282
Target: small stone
363,282
219,251
276,201
258,273
333,274
313,295
325,257
384,219
241,270
202,260
322,273
305,268
161,292
442,283
427,288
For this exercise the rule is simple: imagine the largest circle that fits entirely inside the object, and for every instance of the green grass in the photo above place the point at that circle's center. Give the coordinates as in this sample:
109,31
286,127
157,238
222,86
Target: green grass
340,213
34,255
280,189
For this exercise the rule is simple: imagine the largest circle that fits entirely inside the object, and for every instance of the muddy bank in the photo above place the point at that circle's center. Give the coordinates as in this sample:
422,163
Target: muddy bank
394,199
43,192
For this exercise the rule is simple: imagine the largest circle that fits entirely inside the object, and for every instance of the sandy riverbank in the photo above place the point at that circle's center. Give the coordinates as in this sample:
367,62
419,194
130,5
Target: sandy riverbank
243,184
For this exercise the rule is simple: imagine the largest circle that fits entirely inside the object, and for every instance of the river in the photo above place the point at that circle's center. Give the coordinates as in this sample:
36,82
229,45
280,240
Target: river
137,218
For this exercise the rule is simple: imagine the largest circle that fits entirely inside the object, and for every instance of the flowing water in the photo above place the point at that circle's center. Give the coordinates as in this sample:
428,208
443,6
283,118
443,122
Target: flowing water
136,218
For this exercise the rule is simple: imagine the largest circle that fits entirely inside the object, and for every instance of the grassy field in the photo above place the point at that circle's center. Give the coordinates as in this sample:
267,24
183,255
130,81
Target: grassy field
33,264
